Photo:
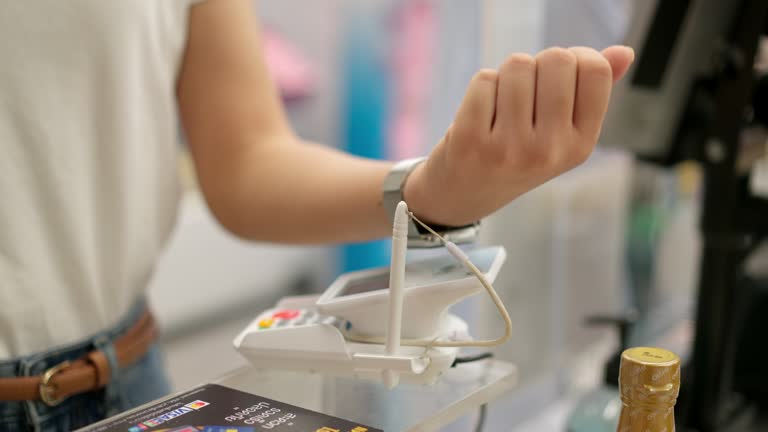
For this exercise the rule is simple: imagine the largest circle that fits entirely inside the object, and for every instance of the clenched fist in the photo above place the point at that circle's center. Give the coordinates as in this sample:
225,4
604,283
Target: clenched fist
518,127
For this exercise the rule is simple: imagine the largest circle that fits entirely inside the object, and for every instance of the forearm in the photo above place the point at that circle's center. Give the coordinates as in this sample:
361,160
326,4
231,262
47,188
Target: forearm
517,127
290,191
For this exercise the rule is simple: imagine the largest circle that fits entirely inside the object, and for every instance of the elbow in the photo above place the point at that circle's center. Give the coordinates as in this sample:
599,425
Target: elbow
239,220
243,216
227,210
231,223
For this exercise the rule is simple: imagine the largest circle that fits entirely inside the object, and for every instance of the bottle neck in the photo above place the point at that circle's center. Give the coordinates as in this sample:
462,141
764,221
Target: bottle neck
638,417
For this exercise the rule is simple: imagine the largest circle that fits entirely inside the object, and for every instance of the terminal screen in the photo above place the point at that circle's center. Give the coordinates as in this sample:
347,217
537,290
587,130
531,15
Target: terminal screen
427,272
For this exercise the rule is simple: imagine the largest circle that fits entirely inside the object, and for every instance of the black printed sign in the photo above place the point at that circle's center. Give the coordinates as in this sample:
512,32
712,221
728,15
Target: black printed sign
215,408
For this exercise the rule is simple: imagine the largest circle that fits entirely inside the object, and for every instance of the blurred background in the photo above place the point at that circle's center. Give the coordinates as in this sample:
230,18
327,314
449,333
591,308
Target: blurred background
590,253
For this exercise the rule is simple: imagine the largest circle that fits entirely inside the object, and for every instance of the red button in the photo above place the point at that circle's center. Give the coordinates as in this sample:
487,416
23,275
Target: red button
286,314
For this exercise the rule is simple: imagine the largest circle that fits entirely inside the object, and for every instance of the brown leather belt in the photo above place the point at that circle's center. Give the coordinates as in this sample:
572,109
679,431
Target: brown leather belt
89,373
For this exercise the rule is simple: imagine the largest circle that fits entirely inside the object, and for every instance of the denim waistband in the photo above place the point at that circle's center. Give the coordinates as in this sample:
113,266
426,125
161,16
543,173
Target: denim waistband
38,363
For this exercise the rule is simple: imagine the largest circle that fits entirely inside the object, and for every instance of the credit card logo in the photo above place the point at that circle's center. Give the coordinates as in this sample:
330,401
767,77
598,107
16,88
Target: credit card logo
197,404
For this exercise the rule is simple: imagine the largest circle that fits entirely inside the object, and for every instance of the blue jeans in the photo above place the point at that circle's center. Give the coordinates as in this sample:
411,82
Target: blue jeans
129,387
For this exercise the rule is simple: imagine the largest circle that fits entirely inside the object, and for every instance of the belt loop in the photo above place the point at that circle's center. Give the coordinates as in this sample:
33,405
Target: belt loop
30,407
113,391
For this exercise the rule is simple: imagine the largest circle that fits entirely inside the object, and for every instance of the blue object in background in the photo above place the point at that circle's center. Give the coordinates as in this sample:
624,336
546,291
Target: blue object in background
365,106
598,411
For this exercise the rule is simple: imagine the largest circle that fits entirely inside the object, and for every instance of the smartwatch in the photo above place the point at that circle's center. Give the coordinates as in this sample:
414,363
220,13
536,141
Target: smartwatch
417,236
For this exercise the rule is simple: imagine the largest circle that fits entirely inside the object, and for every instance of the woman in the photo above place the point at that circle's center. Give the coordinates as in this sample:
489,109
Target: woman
90,92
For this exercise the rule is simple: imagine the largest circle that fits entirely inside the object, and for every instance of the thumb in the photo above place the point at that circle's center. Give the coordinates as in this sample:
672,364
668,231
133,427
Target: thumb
620,58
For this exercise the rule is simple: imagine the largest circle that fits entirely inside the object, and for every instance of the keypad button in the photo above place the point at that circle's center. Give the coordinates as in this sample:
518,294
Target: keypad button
286,314
266,323
282,323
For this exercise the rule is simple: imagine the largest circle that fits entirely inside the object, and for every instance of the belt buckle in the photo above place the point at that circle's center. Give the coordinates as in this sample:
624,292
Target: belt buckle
47,389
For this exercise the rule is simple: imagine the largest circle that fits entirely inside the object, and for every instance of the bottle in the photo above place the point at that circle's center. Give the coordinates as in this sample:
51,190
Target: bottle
649,382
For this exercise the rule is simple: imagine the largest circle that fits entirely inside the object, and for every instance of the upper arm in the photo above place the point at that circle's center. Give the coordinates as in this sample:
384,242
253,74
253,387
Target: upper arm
227,100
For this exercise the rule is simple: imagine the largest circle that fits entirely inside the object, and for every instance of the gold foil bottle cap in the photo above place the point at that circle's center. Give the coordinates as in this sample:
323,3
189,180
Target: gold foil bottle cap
649,378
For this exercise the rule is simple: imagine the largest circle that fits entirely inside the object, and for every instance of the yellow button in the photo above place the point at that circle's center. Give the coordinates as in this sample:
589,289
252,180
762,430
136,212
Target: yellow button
266,323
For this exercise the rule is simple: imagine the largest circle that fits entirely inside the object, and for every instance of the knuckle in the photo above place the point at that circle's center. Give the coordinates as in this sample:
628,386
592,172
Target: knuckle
517,61
495,152
523,138
481,143
549,160
584,51
596,67
548,154
557,56
494,161
485,75
538,157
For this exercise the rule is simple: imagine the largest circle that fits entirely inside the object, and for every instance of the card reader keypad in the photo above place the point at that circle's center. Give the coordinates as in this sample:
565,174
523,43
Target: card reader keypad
284,318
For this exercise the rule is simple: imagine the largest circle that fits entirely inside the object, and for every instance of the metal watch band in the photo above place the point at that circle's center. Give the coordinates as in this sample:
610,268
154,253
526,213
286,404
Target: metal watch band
393,188
393,194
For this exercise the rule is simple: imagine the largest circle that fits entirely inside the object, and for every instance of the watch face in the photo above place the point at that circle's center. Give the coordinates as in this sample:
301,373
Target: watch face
394,182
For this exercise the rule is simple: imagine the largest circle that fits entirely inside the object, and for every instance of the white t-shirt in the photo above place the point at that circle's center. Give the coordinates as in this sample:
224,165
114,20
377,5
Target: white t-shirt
88,141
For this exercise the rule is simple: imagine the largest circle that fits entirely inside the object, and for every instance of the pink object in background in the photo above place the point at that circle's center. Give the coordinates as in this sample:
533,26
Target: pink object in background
290,70
413,54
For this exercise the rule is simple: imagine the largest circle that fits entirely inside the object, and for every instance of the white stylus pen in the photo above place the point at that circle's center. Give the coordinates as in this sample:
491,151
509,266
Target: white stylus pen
396,287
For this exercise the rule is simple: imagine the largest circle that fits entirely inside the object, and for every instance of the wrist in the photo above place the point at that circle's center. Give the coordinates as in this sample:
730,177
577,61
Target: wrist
415,196
428,205
407,181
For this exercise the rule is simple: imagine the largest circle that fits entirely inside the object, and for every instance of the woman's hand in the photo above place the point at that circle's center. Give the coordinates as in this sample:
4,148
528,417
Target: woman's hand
532,120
